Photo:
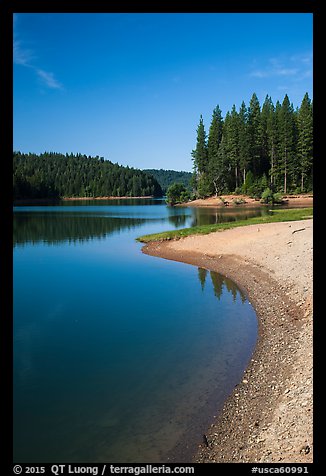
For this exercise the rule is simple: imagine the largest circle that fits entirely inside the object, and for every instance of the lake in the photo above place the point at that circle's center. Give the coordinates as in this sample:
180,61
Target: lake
119,356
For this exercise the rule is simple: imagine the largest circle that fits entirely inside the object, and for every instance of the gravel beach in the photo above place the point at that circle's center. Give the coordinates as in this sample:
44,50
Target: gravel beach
268,417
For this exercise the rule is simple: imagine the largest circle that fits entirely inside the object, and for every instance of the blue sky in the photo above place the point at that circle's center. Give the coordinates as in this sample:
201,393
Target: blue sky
131,87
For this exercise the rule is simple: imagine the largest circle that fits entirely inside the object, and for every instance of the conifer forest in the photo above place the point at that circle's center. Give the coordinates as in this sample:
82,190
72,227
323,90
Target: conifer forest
53,175
255,148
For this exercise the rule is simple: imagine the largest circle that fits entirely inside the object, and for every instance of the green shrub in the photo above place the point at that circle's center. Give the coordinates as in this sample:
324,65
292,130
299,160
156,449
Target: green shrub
267,196
177,193
277,197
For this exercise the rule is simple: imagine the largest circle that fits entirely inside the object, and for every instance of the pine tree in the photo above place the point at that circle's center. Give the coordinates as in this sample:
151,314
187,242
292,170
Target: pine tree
267,134
213,144
244,145
215,134
232,145
287,143
200,153
278,181
254,134
305,139
272,137
200,159
219,169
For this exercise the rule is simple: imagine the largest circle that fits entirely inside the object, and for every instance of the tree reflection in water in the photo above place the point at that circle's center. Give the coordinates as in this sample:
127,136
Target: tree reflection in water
220,284
60,227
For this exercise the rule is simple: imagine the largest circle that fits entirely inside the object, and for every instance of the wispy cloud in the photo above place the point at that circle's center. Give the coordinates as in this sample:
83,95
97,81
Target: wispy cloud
297,67
26,57
48,79
22,56
267,73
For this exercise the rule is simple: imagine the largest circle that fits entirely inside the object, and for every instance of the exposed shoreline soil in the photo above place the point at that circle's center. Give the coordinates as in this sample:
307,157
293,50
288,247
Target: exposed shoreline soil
268,416
301,200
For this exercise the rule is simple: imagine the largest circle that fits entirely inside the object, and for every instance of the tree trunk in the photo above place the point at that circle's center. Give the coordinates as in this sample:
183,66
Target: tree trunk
215,186
272,167
285,172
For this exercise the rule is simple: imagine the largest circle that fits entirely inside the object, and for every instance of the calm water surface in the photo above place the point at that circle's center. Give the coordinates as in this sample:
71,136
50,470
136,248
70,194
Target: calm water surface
119,356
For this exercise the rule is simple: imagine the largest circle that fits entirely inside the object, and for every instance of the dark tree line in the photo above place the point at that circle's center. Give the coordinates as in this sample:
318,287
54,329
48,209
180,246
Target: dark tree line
168,177
255,148
53,175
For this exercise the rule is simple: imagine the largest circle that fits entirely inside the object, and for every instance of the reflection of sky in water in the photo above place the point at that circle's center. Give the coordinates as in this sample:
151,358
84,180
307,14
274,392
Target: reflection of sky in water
112,345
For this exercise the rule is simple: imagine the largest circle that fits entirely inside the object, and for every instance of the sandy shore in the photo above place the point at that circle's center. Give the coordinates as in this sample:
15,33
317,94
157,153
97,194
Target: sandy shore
268,417
301,200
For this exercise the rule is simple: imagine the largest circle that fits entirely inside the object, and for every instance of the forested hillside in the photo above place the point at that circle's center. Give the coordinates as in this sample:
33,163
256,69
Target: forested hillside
53,175
167,177
256,148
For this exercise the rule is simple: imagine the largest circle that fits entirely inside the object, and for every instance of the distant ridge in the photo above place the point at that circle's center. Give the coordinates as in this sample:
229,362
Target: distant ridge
167,177
55,175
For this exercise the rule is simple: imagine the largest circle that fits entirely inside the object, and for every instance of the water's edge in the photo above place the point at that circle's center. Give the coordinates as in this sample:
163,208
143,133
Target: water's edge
253,393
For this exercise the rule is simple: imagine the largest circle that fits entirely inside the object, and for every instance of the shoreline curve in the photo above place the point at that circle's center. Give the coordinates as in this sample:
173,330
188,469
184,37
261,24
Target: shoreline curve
268,416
